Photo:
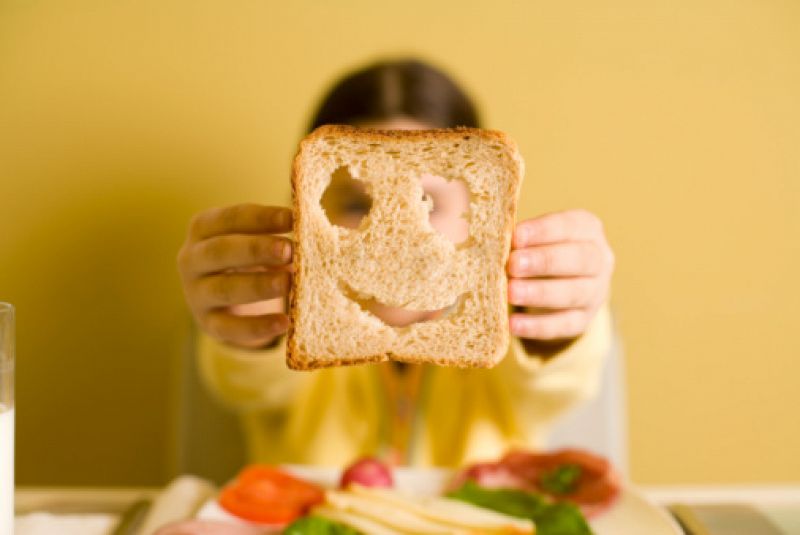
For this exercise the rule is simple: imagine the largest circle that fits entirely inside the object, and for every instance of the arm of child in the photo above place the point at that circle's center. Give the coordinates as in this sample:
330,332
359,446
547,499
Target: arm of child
248,379
541,387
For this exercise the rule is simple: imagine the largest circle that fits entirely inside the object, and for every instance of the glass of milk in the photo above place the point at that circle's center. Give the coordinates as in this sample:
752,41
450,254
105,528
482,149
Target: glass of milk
6,418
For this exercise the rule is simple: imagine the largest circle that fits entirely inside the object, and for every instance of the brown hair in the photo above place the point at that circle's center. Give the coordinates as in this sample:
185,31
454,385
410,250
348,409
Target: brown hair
390,88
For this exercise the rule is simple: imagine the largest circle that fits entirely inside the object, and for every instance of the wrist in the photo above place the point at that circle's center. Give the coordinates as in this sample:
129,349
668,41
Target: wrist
546,349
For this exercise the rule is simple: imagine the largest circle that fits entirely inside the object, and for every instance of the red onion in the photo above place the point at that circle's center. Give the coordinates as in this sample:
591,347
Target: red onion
368,472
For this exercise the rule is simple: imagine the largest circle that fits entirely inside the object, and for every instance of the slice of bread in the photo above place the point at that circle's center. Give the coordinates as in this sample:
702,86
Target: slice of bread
395,257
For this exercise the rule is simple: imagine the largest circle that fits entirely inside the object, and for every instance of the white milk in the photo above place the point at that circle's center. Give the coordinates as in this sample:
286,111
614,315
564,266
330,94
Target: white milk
6,470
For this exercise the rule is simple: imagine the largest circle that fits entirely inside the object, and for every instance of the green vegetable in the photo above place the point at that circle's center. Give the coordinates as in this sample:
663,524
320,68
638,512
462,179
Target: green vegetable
561,480
511,502
550,518
561,519
316,525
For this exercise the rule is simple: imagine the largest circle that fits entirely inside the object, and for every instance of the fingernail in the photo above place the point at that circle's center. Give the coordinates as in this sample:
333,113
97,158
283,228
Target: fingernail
283,251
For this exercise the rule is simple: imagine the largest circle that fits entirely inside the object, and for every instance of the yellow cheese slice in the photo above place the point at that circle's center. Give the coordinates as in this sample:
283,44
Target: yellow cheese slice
450,512
358,522
388,514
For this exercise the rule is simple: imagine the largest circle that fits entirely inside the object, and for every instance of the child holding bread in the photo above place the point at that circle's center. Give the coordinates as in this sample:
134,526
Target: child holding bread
236,267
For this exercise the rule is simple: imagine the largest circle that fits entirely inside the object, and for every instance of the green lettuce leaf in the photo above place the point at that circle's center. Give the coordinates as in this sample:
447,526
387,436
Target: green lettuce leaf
316,525
561,480
550,518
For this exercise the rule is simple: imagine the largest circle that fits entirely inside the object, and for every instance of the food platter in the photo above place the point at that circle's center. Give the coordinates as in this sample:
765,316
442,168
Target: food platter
632,514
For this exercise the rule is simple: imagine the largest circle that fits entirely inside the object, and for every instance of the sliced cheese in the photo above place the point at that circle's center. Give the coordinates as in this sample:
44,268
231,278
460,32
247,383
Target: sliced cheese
359,523
398,518
447,511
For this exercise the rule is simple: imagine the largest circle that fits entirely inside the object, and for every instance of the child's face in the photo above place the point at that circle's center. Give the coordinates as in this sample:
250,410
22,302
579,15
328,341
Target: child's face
346,203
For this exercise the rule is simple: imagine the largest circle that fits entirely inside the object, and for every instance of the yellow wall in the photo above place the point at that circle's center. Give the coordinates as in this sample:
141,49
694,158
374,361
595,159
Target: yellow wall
677,122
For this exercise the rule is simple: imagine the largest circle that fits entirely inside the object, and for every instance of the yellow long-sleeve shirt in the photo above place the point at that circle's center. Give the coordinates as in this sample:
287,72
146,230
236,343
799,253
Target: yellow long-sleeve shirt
331,416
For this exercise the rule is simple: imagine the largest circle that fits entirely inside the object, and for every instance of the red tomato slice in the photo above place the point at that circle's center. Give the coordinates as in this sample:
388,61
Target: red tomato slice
267,495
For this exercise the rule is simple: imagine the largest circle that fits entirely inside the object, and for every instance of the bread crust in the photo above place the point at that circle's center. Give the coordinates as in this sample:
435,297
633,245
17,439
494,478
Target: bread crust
295,358
387,135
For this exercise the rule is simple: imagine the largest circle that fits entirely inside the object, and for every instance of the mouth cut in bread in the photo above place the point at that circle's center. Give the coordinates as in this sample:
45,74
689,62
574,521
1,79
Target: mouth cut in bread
394,257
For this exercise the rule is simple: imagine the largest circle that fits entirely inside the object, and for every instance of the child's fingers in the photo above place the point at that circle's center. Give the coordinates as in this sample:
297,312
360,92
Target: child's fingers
565,293
234,251
554,326
227,289
569,225
241,219
245,331
571,259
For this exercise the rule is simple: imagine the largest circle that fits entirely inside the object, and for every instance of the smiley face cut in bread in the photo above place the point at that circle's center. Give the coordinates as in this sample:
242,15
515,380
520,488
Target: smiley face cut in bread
395,257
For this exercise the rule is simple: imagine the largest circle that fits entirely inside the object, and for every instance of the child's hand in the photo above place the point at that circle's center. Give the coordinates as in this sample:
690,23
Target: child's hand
230,258
560,268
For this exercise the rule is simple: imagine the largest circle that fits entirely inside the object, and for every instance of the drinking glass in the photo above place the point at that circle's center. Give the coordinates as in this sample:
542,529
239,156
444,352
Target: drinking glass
6,418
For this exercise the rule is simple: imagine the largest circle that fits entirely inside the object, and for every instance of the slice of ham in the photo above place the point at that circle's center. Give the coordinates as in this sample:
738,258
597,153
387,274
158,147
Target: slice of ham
490,475
209,527
595,491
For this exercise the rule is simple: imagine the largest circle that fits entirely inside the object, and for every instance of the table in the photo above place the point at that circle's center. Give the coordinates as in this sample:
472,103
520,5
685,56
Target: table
74,511
76,500
780,503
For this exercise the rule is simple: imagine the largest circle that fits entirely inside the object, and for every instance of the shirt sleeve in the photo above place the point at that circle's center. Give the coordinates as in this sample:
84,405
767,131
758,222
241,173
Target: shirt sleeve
542,388
247,380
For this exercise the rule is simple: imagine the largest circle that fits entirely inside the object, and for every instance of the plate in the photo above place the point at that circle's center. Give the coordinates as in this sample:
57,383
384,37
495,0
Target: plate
632,514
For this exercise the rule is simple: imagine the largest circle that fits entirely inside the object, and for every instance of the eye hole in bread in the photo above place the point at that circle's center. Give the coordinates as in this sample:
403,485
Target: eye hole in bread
346,201
448,206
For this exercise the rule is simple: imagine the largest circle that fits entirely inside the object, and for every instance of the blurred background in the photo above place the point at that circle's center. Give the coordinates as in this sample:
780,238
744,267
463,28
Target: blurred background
678,122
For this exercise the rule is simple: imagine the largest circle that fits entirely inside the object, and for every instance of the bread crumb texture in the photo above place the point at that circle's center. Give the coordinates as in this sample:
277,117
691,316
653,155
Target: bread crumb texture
395,257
